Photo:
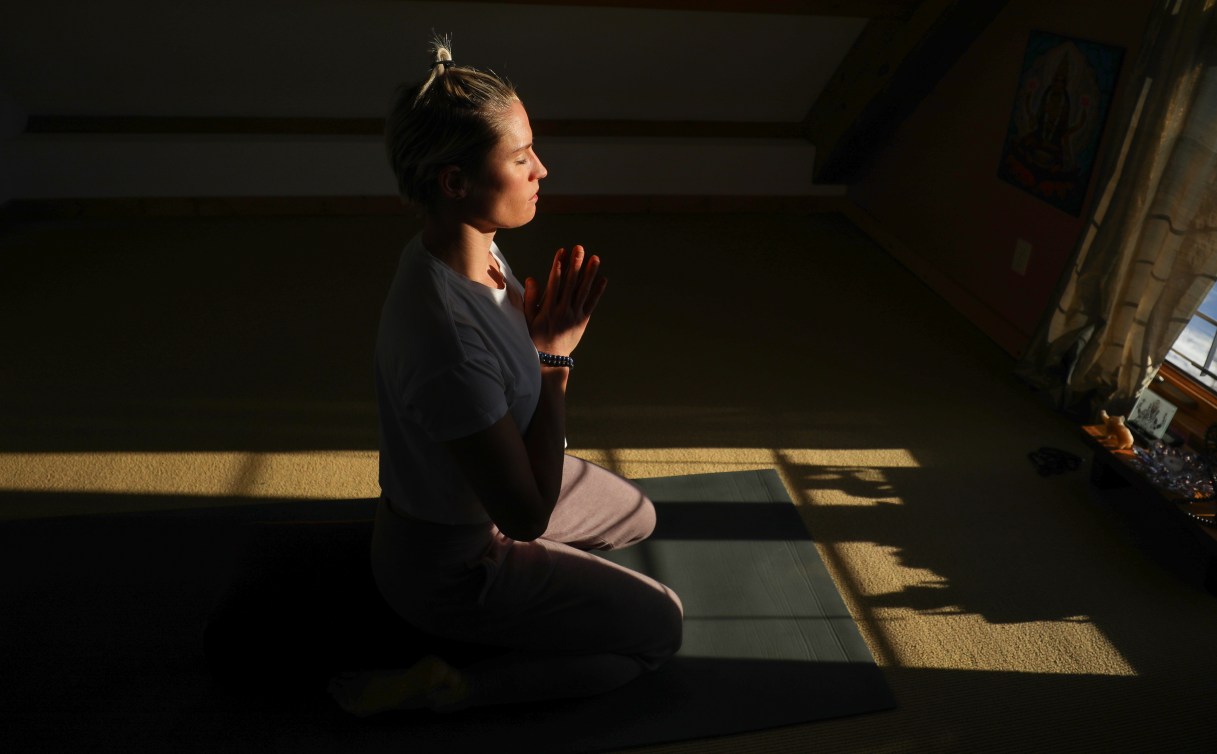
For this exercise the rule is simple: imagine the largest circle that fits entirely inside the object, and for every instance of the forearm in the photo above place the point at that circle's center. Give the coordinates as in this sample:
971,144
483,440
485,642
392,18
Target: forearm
557,317
545,440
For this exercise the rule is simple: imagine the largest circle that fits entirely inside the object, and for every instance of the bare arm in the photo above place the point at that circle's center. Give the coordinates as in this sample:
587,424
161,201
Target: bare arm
518,475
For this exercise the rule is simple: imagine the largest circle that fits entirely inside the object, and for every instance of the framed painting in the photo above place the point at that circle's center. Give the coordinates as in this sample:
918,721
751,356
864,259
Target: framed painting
1064,92
1151,415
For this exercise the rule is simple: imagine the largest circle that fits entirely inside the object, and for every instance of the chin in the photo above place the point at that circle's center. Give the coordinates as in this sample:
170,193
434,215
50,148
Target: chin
526,217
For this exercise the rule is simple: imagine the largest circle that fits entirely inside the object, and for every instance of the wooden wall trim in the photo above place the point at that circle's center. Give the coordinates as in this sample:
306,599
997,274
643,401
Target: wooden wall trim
22,210
157,124
227,126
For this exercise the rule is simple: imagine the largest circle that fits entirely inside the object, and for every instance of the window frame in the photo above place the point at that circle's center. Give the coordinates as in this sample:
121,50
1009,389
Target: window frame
1197,404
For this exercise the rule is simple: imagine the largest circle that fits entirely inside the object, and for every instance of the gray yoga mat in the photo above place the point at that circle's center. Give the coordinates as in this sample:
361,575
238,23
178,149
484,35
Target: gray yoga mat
768,640
106,647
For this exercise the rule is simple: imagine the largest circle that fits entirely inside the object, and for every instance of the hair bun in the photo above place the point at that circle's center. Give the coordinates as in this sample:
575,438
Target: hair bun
443,53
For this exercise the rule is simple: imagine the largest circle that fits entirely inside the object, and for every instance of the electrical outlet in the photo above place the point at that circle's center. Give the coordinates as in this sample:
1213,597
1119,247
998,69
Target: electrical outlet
1022,255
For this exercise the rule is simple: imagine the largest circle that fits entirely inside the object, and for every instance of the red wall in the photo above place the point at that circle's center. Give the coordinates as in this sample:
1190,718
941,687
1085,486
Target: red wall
934,186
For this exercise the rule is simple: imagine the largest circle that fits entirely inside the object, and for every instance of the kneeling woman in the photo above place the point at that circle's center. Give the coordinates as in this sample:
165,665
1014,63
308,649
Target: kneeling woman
484,523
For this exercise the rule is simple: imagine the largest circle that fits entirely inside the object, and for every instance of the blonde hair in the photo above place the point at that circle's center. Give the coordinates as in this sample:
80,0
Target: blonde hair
454,117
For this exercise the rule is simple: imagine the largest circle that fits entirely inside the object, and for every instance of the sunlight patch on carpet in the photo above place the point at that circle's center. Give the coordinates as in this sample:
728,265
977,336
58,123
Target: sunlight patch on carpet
947,635
326,475
168,480
1058,647
832,479
154,480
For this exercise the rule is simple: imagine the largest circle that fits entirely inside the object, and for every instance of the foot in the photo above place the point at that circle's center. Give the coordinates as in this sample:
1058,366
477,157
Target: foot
430,684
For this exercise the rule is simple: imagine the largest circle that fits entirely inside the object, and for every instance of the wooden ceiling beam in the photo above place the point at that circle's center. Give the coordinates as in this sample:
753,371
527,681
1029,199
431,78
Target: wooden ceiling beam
893,64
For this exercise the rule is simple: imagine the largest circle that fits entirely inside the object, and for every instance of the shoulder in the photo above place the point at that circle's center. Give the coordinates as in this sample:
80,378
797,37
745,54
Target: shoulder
431,320
417,320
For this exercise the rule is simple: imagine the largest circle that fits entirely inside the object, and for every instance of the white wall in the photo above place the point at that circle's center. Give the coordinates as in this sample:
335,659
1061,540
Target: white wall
342,59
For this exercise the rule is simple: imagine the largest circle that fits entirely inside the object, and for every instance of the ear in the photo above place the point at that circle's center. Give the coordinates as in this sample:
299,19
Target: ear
452,184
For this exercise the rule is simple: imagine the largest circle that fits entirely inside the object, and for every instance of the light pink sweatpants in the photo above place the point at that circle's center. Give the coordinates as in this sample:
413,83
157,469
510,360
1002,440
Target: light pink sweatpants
576,624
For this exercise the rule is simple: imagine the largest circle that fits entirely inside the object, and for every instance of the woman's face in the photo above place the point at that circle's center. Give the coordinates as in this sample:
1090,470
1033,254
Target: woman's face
504,195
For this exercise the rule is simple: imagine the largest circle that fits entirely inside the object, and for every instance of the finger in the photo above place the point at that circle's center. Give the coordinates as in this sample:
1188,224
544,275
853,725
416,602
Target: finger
585,282
553,285
570,281
532,297
593,298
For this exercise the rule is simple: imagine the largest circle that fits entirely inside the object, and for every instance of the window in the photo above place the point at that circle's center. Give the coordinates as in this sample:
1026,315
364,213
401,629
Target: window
1188,379
1195,351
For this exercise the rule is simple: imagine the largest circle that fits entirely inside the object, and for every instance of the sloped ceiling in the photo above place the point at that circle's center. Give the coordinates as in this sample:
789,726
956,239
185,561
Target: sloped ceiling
834,71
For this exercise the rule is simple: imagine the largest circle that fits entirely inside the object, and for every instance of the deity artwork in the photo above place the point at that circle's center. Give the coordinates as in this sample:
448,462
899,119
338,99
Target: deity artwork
1063,96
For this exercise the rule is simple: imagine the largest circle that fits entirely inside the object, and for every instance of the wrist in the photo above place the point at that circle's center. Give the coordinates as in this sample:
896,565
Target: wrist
555,360
555,376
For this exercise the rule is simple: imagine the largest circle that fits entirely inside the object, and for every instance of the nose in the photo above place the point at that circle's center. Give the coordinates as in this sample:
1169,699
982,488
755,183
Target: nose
540,171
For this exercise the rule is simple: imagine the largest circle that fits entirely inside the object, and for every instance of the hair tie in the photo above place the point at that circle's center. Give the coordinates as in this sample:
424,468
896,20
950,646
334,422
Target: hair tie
444,63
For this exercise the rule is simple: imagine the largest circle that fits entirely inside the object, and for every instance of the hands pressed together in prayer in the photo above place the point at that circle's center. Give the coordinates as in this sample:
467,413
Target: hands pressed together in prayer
558,315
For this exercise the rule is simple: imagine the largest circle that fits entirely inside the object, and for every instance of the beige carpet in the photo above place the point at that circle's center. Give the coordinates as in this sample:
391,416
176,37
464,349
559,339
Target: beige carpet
151,362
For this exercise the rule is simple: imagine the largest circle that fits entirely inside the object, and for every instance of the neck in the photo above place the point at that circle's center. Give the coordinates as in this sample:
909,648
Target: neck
458,245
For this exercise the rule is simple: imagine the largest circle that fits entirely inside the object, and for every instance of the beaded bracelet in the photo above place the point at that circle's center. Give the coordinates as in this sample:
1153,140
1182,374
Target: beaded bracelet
550,360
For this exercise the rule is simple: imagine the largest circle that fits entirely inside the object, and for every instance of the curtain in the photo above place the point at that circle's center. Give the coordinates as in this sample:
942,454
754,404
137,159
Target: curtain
1149,253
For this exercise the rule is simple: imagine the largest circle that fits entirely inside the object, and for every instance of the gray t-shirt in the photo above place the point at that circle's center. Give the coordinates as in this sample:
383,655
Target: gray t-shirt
452,358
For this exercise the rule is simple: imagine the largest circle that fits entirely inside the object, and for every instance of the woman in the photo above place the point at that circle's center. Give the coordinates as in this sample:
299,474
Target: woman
483,526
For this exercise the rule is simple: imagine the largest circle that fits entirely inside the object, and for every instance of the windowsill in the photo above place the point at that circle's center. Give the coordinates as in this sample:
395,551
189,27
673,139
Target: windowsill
1197,405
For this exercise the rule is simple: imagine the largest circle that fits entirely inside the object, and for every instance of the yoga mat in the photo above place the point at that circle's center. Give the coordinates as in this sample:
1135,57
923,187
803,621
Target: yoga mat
768,641
213,629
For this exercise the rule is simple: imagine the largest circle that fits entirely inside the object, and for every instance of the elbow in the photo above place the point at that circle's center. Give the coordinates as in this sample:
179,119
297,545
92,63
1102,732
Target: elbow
524,528
525,531
522,518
